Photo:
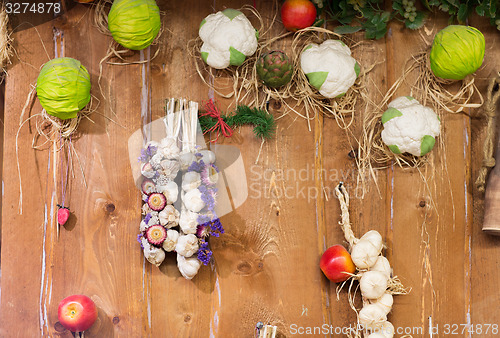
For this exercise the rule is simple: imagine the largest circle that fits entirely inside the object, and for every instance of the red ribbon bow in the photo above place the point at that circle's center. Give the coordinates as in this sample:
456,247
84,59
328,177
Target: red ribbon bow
221,126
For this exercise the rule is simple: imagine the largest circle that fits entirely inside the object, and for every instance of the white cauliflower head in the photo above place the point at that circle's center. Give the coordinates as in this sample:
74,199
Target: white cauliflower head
410,127
329,67
228,38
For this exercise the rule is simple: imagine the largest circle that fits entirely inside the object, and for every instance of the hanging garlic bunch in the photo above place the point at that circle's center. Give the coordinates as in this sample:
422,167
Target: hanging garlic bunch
376,281
197,218
159,168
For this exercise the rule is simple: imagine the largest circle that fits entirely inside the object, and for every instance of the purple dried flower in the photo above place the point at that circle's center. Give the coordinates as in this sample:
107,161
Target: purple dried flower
139,239
216,227
196,166
202,231
204,253
147,218
147,153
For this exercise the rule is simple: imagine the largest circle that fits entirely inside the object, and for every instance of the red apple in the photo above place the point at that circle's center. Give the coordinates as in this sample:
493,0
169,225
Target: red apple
297,14
336,263
77,313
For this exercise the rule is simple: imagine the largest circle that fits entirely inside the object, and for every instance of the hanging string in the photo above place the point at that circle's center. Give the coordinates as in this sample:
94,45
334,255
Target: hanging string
221,126
64,177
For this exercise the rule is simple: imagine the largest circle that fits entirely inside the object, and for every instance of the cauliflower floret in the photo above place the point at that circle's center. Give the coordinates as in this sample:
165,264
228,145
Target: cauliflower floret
228,38
329,67
410,127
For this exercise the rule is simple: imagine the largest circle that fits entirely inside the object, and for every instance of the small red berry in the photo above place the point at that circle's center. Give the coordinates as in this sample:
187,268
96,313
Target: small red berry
62,215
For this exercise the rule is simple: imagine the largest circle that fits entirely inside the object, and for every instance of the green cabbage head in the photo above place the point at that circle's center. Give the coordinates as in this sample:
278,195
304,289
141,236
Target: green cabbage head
134,24
457,51
63,87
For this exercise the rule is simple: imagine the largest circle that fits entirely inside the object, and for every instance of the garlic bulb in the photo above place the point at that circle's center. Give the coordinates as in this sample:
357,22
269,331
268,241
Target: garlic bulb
171,240
169,216
207,156
382,265
385,302
188,222
156,160
147,170
153,255
364,254
188,266
373,237
186,159
168,148
373,284
191,180
170,190
372,317
386,329
145,209
143,226
187,245
170,168
192,200
153,220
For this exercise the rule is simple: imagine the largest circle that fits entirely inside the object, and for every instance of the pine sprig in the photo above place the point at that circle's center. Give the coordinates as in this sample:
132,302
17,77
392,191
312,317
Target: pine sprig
263,122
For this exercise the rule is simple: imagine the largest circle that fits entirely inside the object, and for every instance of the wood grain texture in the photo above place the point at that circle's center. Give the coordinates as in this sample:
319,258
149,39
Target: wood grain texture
266,265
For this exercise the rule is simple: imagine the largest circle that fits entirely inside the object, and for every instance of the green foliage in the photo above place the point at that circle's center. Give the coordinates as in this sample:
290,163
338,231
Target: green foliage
460,10
263,122
372,17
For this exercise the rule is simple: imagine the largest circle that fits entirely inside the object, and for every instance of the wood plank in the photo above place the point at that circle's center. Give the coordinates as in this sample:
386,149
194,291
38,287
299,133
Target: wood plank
21,305
179,307
484,249
430,219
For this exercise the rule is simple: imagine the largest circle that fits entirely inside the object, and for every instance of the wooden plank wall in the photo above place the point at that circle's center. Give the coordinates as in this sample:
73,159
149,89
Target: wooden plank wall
266,265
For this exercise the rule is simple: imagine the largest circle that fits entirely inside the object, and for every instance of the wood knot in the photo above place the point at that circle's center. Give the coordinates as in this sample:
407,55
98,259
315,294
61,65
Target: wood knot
116,320
155,69
352,154
187,318
244,267
260,265
110,207
59,327
276,105
422,204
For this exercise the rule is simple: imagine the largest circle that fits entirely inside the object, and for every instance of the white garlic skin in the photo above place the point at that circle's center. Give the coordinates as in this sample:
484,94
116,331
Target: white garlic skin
169,216
143,226
191,180
187,245
153,255
192,200
375,238
147,170
364,254
386,329
208,156
186,159
373,284
170,190
171,240
382,265
189,222
168,148
372,317
170,168
385,302
188,267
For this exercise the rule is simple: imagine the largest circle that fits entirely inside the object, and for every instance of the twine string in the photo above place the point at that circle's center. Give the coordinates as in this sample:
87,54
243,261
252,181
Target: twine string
221,127
493,97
